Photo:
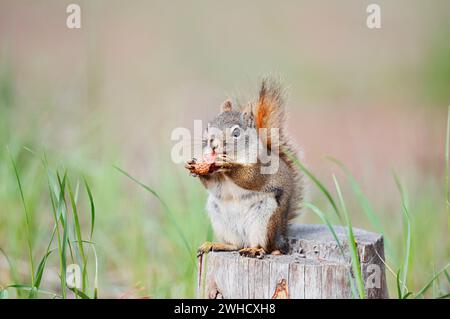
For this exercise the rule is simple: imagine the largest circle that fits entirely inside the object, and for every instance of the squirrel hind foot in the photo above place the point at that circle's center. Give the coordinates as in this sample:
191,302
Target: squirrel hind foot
208,246
252,252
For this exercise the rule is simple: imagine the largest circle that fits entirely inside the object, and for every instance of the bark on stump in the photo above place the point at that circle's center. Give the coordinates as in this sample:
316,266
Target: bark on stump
314,268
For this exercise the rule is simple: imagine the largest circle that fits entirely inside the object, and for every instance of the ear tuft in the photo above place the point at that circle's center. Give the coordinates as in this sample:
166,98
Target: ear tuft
247,119
227,106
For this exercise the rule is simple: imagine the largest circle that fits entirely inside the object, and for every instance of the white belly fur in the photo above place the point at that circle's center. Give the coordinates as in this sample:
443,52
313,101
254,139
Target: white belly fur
237,221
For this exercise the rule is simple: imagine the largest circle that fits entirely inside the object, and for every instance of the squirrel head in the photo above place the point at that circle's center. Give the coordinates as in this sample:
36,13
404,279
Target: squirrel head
242,133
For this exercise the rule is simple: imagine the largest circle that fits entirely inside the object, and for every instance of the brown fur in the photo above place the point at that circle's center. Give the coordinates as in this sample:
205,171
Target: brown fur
267,112
270,113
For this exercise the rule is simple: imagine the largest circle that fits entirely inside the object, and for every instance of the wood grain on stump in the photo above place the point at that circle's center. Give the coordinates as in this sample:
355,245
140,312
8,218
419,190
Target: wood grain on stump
314,268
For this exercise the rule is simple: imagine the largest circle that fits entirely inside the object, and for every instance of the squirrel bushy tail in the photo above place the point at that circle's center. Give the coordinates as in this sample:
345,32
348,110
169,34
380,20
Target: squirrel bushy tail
269,113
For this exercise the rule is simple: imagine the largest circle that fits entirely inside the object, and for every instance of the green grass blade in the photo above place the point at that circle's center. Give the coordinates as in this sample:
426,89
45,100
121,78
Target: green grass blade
407,295
399,286
12,270
318,183
352,244
447,143
79,293
27,218
39,273
96,273
41,267
424,289
166,210
91,202
84,241
323,217
78,234
365,204
56,196
64,241
28,288
96,268
407,222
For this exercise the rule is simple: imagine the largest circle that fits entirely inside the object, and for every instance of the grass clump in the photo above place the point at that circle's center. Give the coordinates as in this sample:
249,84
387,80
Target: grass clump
66,231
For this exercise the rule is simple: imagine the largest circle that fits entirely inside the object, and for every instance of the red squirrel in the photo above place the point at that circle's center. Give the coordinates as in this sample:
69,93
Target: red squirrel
249,208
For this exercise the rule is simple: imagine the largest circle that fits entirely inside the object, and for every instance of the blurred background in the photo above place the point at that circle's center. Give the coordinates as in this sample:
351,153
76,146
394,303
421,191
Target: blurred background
110,94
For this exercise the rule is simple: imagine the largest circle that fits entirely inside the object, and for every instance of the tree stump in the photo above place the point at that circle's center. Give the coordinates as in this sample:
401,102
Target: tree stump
314,268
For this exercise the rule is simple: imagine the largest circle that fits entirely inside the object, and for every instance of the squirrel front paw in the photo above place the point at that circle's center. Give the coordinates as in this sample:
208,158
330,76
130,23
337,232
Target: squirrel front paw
224,162
191,166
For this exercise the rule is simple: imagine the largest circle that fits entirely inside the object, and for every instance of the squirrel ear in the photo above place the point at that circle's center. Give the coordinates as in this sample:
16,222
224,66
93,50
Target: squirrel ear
247,119
227,106
247,116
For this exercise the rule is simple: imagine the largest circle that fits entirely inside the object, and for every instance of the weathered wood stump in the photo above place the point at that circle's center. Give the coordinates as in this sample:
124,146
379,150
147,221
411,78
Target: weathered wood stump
314,268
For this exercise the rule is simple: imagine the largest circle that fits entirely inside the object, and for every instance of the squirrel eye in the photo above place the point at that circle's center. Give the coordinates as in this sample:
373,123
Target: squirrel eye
236,132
